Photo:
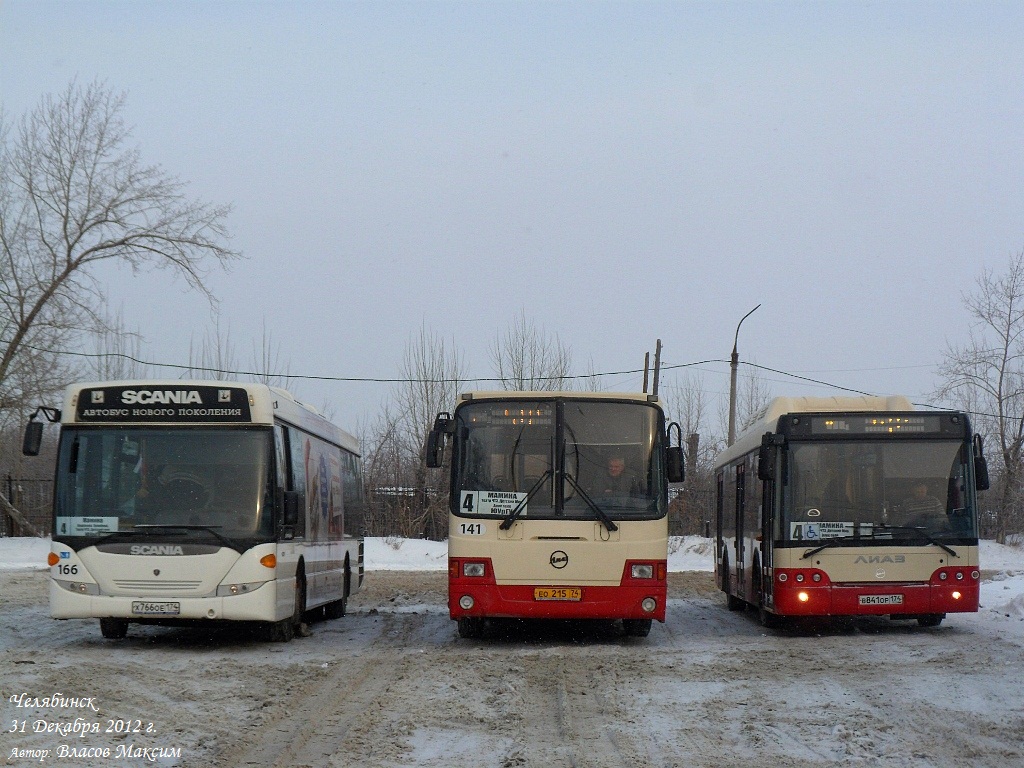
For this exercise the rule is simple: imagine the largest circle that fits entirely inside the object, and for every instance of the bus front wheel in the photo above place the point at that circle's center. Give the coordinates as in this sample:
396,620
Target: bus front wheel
637,627
471,627
114,629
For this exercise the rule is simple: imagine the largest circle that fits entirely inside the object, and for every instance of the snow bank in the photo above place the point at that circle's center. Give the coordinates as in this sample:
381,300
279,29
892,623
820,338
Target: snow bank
392,553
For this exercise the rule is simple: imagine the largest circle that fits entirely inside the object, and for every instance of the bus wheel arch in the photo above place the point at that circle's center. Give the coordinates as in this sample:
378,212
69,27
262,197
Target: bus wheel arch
114,628
337,608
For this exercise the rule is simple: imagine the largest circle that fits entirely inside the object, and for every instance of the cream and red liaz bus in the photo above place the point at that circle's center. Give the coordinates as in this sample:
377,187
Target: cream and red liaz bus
558,507
850,506
184,502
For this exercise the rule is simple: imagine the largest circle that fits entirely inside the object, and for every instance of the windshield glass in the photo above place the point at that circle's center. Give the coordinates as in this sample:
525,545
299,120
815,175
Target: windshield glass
875,489
571,458
112,480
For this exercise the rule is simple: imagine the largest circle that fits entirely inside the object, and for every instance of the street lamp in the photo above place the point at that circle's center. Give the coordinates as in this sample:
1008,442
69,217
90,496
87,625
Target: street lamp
734,364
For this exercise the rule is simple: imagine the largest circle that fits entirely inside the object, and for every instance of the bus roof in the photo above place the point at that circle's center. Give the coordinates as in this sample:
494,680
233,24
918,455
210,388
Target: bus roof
503,394
264,405
767,420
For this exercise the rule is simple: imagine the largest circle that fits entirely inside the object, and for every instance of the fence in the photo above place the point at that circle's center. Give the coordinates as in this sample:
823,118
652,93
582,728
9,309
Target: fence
34,499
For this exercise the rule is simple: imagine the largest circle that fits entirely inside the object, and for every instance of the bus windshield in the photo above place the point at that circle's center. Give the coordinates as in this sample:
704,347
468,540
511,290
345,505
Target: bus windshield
566,458
876,489
116,480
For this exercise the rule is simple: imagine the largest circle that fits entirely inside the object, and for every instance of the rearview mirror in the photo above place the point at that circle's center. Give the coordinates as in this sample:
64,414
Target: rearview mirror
766,458
675,467
33,438
433,450
981,481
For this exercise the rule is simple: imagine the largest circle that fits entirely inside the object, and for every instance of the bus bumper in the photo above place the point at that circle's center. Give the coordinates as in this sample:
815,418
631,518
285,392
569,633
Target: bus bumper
950,590
257,605
483,597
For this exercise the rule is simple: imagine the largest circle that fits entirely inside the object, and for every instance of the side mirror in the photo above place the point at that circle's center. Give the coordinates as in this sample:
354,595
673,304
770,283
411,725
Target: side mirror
291,507
675,466
981,481
433,451
766,458
33,438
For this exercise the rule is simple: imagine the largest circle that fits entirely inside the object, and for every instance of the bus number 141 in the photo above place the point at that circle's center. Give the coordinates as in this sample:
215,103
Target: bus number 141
472,529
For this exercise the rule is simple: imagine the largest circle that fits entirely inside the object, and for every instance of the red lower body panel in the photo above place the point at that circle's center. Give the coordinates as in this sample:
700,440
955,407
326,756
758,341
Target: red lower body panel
943,593
490,599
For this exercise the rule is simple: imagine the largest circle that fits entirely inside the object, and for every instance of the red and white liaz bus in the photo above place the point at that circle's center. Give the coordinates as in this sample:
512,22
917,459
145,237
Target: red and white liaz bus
845,507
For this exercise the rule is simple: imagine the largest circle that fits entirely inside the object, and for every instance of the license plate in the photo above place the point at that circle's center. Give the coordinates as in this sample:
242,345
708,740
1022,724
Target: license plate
881,599
140,608
557,593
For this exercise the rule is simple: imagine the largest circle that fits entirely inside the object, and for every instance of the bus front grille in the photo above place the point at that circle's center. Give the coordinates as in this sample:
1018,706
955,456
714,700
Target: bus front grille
141,586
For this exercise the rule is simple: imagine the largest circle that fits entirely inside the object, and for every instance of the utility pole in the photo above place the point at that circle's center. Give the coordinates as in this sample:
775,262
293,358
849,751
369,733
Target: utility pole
734,364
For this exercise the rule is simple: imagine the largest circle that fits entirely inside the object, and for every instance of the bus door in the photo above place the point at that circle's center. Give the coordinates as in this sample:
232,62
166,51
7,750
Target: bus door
741,532
764,578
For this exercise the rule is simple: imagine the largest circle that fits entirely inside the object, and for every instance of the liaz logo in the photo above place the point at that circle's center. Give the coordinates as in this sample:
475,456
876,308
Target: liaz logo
559,559
152,549
160,396
881,559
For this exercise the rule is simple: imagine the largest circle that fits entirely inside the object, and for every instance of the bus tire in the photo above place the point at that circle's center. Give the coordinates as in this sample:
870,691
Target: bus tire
637,627
930,620
768,619
336,609
471,627
114,629
732,602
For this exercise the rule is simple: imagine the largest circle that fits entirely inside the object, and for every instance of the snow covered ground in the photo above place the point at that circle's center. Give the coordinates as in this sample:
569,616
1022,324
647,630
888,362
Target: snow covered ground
1002,592
391,684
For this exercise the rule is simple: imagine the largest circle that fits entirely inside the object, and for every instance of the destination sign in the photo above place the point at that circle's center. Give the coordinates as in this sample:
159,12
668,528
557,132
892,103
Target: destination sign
165,403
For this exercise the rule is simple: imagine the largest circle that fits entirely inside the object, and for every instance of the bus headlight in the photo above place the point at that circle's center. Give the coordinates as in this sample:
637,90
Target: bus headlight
649,603
956,595
642,571
803,597
473,569
79,587
465,602
228,590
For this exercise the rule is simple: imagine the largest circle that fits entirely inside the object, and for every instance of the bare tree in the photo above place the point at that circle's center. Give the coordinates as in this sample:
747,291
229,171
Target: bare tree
405,497
986,377
689,404
73,194
266,360
213,356
433,373
527,358
118,353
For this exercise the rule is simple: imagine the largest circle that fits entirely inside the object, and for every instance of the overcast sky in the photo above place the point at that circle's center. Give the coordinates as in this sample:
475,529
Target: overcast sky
618,172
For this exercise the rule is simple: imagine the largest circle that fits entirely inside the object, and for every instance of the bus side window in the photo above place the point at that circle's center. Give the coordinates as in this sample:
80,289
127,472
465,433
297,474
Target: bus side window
297,476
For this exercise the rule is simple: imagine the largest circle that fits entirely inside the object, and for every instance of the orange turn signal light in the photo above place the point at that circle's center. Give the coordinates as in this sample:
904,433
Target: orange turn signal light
53,558
270,561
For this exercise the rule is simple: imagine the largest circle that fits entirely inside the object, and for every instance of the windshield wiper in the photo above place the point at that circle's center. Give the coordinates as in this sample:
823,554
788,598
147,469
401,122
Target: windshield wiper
511,518
601,515
923,532
118,534
826,544
211,529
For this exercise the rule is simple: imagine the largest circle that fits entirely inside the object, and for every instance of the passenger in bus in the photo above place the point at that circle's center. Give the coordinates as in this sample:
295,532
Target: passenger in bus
837,498
923,509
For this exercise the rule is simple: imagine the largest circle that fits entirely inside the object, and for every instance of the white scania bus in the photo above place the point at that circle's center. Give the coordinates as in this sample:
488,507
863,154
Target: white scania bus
558,507
182,502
